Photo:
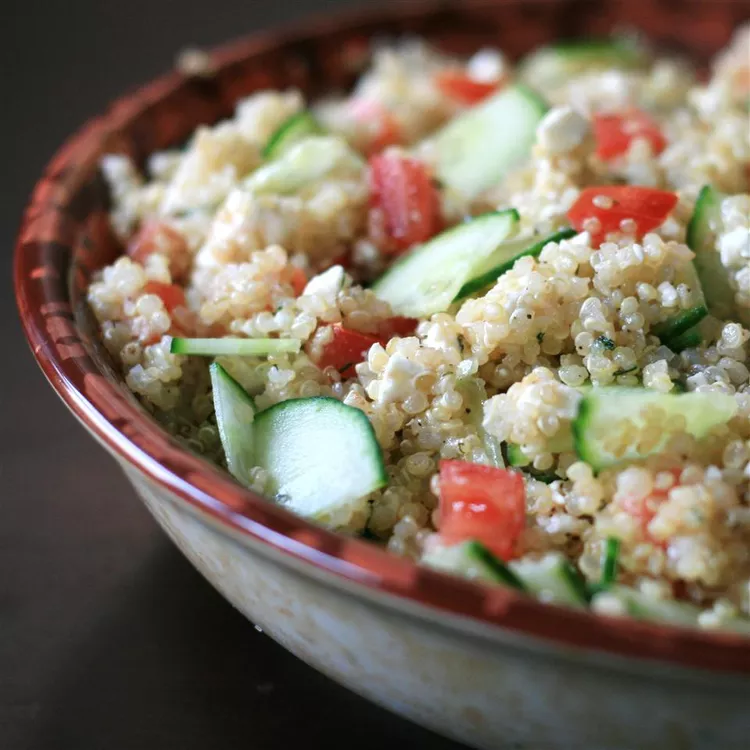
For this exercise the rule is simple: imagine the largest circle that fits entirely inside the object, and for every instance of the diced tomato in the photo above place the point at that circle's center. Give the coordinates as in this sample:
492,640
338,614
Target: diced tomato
298,281
396,326
742,80
158,237
483,503
404,201
350,347
345,260
387,131
463,88
643,509
347,349
614,133
171,295
600,210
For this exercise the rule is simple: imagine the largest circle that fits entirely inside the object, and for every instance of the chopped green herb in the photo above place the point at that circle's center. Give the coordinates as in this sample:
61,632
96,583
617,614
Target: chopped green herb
626,371
540,337
606,342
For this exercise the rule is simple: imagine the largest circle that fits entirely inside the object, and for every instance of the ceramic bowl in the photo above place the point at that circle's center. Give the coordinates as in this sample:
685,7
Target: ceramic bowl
483,665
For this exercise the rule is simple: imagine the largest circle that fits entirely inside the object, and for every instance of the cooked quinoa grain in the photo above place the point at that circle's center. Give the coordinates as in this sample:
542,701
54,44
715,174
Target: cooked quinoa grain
275,223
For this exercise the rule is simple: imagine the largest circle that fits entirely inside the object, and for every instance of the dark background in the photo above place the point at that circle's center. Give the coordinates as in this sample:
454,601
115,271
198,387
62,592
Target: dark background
108,638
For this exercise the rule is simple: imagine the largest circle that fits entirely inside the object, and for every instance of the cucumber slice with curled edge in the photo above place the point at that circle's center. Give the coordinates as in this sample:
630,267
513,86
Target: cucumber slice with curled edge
294,129
505,256
305,163
553,579
628,424
322,457
235,412
234,347
428,278
554,64
702,234
471,560
476,150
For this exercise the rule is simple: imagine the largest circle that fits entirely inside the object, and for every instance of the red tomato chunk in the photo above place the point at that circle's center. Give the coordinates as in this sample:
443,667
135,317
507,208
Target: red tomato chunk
482,503
171,295
620,208
298,281
396,326
463,88
615,133
158,237
388,131
643,509
347,349
405,205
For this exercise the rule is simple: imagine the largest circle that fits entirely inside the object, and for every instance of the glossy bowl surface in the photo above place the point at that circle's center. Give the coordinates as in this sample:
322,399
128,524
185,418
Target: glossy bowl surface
232,534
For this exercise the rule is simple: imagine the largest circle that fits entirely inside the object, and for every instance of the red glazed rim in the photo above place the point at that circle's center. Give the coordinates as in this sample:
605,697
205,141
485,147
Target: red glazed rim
55,256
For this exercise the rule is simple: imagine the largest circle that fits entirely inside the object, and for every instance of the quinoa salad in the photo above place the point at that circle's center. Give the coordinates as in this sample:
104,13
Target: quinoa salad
493,316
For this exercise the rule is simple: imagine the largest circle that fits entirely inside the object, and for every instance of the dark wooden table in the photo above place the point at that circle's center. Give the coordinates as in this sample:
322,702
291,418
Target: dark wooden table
108,638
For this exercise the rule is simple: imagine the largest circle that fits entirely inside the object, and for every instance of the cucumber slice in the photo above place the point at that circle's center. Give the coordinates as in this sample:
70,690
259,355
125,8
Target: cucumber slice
552,65
476,150
295,128
644,607
235,412
671,329
234,347
516,456
688,340
737,624
474,396
627,424
305,163
552,579
704,226
428,278
560,443
471,560
505,256
683,320
611,555
322,458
